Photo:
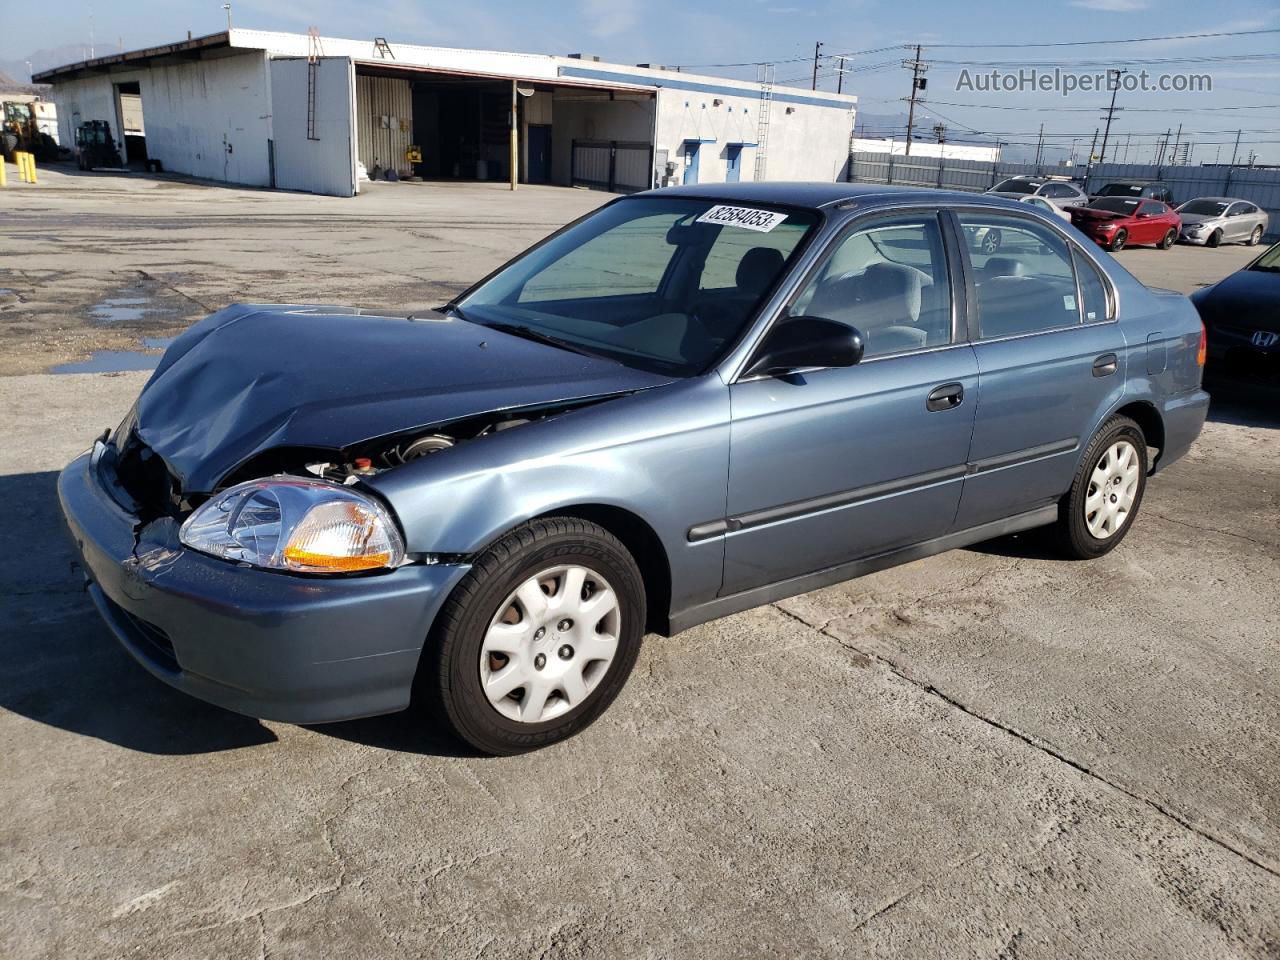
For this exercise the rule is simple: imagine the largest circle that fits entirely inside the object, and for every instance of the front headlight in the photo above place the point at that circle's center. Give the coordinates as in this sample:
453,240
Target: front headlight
296,524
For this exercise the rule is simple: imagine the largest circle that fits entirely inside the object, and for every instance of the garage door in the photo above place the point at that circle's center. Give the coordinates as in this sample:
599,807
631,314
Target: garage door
312,114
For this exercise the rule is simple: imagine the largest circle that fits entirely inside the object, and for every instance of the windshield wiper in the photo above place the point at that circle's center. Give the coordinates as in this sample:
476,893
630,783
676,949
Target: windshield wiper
529,333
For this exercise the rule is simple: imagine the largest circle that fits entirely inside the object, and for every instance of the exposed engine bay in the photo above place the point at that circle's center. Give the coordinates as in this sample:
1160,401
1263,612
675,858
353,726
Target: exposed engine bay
414,447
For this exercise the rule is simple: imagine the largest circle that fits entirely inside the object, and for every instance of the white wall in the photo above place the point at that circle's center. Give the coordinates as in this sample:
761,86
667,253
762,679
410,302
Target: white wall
924,148
809,143
326,164
207,118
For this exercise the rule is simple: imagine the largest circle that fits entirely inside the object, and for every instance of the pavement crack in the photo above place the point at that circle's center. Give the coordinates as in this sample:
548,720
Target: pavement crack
1196,526
1036,743
186,296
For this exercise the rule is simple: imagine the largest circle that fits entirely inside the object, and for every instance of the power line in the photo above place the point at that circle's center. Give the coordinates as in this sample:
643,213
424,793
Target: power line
992,106
1092,43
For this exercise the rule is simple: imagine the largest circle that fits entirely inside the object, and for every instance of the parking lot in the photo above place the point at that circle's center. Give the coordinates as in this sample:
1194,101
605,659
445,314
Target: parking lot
990,753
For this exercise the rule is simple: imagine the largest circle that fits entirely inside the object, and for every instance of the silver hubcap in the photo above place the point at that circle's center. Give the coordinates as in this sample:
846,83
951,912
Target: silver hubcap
1113,486
550,644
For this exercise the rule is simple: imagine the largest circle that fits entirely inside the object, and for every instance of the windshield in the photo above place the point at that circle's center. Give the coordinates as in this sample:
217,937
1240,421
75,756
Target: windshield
1115,204
1205,208
1015,186
1269,262
1121,190
662,284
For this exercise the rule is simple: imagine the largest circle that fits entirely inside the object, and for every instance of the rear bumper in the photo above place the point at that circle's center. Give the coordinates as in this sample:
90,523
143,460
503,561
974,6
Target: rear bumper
274,646
1183,420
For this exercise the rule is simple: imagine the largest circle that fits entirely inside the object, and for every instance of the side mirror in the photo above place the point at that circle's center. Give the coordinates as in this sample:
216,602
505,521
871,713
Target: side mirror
800,342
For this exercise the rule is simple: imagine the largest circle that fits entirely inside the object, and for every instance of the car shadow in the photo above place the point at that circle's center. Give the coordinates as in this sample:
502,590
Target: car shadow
63,668
1243,403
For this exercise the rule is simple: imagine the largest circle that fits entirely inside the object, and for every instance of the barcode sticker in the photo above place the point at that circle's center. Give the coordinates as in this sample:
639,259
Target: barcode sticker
762,221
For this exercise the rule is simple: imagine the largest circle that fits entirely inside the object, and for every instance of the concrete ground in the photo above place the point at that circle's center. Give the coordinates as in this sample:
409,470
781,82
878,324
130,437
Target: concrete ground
988,754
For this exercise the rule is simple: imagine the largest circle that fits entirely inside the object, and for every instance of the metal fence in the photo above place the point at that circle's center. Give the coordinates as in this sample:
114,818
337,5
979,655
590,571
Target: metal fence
619,166
1260,186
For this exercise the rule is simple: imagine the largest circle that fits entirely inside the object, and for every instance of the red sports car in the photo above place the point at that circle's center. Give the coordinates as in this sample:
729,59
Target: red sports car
1117,222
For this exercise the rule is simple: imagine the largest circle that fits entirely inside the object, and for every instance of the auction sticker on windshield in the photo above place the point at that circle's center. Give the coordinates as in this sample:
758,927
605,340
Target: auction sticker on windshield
761,221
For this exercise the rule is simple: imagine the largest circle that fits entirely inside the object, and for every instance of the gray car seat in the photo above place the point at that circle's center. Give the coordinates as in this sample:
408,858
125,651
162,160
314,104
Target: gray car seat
883,302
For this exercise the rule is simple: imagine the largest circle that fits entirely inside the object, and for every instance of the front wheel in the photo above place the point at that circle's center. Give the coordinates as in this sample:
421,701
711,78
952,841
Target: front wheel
1118,241
1256,237
1098,510
1168,240
991,240
538,638
1215,238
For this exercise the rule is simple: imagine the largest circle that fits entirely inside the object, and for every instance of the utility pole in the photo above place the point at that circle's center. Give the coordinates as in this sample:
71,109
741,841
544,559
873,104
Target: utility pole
840,77
1074,141
817,47
918,83
1040,146
1113,76
1093,146
1177,137
1236,149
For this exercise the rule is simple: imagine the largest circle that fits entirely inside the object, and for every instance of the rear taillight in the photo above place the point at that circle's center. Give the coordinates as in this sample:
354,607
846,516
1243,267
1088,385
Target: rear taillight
1204,345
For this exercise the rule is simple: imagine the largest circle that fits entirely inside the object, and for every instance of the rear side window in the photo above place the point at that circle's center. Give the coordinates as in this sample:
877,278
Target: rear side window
1093,290
1023,276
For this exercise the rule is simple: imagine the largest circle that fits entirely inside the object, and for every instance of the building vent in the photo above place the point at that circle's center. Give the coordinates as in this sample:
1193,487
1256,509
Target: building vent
584,56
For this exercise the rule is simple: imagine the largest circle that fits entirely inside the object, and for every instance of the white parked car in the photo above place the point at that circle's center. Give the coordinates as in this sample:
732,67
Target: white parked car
1060,193
1040,203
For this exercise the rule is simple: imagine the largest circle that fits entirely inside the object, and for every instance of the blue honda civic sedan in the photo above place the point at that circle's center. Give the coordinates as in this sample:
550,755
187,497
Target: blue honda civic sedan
689,402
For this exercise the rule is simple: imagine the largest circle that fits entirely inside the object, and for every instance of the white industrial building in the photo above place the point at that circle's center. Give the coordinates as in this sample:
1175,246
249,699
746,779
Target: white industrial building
303,112
925,148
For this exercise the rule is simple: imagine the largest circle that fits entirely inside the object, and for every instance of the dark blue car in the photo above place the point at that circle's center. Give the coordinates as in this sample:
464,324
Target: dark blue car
688,403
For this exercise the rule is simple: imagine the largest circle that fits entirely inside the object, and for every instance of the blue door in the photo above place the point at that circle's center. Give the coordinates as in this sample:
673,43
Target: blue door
733,172
1045,377
691,148
539,153
883,462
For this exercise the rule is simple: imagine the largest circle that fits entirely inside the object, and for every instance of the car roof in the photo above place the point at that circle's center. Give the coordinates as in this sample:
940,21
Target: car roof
818,194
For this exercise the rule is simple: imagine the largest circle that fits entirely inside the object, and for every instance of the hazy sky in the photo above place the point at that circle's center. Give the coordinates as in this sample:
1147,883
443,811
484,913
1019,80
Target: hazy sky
720,31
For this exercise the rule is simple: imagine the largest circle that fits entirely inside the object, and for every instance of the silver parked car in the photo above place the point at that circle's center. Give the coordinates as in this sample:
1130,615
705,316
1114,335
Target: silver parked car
1060,193
1209,221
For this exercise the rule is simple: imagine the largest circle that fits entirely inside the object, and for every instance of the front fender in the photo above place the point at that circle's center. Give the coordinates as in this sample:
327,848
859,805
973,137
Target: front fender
661,454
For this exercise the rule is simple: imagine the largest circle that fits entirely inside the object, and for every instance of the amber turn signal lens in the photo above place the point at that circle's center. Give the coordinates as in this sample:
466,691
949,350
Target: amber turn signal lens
1204,345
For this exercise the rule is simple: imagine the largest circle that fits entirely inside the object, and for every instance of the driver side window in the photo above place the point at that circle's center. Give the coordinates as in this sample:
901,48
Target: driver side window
889,281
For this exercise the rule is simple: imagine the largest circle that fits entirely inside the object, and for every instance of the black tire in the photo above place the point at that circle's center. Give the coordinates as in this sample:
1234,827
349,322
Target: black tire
1215,238
1118,241
448,682
1256,237
1071,532
1169,239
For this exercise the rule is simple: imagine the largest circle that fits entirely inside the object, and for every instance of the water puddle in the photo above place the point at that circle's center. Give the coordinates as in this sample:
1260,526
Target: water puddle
119,361
118,310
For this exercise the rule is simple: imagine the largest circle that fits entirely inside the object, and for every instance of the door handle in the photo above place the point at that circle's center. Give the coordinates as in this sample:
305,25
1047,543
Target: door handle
946,397
1105,365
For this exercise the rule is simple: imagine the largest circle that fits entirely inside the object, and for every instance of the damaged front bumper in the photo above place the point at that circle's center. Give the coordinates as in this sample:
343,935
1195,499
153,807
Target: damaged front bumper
270,645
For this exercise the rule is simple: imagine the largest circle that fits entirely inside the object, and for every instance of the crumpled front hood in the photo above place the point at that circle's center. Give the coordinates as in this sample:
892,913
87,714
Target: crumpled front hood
252,377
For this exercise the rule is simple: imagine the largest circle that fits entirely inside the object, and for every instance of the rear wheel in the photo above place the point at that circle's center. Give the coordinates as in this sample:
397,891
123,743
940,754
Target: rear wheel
1215,238
1168,240
1256,237
537,640
1119,240
991,240
1098,510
